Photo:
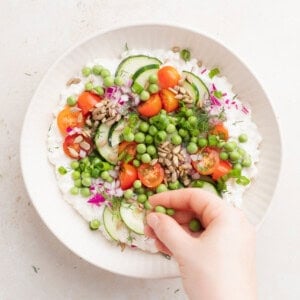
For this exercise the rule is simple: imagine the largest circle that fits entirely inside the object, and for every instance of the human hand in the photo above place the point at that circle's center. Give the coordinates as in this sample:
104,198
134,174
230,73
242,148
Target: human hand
217,263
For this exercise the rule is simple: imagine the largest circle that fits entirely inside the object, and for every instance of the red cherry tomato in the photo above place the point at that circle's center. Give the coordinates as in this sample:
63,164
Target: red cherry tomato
76,143
151,107
222,169
221,131
169,102
151,176
127,176
168,77
69,118
86,101
208,162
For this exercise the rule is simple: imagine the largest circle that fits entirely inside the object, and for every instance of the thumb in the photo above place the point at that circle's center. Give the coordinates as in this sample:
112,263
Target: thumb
169,232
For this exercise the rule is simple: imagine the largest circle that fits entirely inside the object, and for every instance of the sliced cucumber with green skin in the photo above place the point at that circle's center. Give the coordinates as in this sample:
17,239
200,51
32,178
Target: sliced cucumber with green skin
112,223
133,217
209,187
141,76
192,88
202,88
114,136
109,153
131,64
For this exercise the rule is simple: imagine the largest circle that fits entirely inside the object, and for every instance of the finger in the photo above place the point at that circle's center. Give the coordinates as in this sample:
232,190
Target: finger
205,204
162,248
148,231
169,232
183,217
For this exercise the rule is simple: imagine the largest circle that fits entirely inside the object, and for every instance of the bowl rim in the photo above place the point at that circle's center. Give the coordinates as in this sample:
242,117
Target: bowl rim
127,25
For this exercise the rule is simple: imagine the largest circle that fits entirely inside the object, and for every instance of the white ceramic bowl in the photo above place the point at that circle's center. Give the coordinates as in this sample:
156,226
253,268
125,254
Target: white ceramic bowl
39,176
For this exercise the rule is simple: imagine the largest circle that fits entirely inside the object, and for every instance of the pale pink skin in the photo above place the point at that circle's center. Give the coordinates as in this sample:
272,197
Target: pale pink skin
216,263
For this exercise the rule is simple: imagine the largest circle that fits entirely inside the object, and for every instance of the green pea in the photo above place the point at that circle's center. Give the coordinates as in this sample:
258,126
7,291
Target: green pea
95,173
151,150
141,198
138,156
153,78
234,156
241,151
182,132
202,142
144,126
192,148
88,86
110,179
141,148
86,181
171,128
119,81
195,225
224,155
212,140
170,211
192,120
128,194
129,137
97,69
108,81
96,161
149,193
74,190
243,138
230,146
161,136
146,158
148,139
174,185
62,170
86,71
76,175
136,163
105,175
99,90
147,205
74,165
194,140
140,191
94,224
71,101
137,184
246,162
139,137
77,183
189,112
176,139
144,95
160,209
195,132
220,144
85,174
237,166
85,192
153,88
152,130
161,188
105,73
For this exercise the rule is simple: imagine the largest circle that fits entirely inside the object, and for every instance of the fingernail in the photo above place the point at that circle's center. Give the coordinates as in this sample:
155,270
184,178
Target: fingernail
153,220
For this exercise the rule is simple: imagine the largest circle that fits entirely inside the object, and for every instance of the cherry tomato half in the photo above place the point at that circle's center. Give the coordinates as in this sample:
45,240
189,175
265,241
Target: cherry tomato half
222,169
151,107
127,176
86,101
221,131
151,176
69,118
208,162
169,102
168,77
76,143
128,149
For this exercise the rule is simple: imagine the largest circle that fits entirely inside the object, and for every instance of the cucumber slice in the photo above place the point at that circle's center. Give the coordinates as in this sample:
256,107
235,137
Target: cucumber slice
131,64
141,76
112,223
202,88
114,136
109,153
133,217
192,88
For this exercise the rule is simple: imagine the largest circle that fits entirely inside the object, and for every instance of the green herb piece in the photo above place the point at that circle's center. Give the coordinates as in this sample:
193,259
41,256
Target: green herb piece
212,73
218,94
243,180
185,54
62,170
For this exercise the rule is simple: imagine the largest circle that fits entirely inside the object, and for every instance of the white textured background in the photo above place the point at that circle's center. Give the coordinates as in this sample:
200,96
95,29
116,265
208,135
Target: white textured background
33,33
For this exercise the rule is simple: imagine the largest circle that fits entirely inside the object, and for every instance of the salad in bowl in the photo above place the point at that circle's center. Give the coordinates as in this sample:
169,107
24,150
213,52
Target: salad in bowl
145,123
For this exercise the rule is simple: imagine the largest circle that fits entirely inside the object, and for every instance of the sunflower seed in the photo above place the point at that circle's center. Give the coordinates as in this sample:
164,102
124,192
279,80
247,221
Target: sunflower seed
167,162
179,96
85,146
153,161
161,160
73,81
175,49
78,139
175,161
199,63
73,152
173,90
176,149
174,177
162,154
182,90
189,78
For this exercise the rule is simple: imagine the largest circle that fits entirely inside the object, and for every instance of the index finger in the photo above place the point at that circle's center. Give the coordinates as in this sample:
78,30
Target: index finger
206,205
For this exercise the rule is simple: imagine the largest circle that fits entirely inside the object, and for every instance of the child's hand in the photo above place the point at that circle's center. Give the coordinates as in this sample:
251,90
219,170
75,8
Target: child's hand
219,262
